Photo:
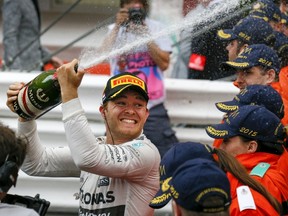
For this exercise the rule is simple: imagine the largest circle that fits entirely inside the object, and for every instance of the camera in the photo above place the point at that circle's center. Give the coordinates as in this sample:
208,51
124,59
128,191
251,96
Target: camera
136,15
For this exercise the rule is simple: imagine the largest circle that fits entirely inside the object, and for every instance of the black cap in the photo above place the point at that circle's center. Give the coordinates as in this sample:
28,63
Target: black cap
122,81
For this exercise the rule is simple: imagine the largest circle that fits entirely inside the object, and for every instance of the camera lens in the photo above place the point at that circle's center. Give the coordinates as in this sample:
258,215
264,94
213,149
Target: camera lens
136,15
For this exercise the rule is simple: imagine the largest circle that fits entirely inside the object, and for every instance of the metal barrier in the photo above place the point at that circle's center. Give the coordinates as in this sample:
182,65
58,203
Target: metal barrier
190,105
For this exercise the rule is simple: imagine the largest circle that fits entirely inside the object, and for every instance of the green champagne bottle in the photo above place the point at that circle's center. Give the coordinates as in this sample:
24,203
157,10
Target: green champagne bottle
39,96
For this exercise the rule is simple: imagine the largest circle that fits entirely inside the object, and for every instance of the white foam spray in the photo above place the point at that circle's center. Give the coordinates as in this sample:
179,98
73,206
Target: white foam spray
90,56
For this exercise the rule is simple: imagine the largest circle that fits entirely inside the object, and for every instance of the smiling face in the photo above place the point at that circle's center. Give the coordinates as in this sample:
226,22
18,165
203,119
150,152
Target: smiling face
124,116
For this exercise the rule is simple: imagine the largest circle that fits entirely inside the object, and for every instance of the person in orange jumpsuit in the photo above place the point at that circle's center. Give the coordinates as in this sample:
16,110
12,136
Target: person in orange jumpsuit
200,187
263,95
257,64
258,200
256,136
281,47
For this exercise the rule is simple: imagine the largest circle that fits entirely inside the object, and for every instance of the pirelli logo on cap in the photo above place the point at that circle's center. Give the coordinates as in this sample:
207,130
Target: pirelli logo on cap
127,79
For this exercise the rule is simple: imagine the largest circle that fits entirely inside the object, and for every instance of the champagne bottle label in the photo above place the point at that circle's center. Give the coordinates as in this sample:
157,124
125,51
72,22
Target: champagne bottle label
37,96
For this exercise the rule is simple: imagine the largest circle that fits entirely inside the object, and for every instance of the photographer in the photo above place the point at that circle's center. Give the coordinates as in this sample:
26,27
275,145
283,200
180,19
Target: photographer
12,154
147,60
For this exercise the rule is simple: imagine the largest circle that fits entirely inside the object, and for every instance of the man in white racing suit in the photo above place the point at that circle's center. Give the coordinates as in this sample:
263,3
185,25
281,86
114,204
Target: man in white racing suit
119,171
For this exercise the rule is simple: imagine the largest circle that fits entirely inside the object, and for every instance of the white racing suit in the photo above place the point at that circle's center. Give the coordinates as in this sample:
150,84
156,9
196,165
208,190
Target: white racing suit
115,179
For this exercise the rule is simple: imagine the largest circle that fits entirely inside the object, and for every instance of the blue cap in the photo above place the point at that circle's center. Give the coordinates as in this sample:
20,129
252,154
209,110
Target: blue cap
173,158
250,30
254,55
197,180
267,10
281,43
263,95
251,121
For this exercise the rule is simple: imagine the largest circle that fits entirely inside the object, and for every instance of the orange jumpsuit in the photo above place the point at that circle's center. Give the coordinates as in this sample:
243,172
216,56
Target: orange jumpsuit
263,207
274,179
283,163
283,86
